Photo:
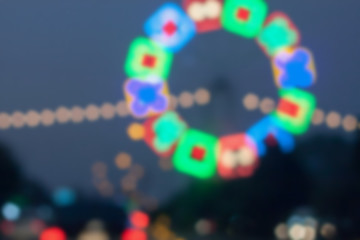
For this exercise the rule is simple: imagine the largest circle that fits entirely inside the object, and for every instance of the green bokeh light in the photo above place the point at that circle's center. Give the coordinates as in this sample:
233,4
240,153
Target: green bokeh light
277,35
140,48
252,26
306,103
183,161
168,129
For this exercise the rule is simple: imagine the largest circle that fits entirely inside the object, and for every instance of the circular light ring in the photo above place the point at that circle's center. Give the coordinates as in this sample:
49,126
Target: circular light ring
197,153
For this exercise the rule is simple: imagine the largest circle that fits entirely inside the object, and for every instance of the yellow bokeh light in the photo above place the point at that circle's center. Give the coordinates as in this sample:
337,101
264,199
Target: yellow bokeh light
136,131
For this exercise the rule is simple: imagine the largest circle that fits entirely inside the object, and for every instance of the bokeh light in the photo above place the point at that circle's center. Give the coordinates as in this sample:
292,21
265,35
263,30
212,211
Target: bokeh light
203,227
173,102
202,96
64,197
205,13
132,234
238,156
122,109
163,132
47,117
63,115
196,154
170,27
107,111
245,18
350,123
93,235
302,227
7,227
37,226
105,188
333,120
137,170
18,119
99,169
295,110
186,100
5,121
328,231
297,232
94,230
294,67
123,161
136,131
267,105
281,231
77,114
92,113
139,219
129,183
33,118
165,164
278,32
319,117
144,98
11,211
251,101
53,233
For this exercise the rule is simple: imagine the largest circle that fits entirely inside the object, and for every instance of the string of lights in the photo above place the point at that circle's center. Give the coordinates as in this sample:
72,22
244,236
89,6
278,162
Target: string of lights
91,112
331,119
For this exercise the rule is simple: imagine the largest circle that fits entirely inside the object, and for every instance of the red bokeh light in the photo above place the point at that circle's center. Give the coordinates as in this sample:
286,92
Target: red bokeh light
36,226
53,233
238,156
132,234
205,21
139,219
7,228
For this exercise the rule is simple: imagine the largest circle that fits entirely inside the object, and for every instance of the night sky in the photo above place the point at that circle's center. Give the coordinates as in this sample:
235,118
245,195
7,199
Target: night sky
66,53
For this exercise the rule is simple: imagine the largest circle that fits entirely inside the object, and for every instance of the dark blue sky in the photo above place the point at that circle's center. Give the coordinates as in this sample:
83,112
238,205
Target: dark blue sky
66,52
